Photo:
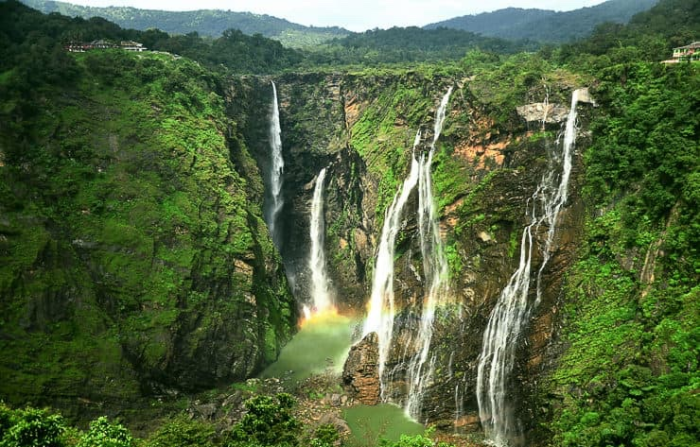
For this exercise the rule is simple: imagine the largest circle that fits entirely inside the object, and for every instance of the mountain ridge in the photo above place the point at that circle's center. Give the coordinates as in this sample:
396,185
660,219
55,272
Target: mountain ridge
206,22
546,25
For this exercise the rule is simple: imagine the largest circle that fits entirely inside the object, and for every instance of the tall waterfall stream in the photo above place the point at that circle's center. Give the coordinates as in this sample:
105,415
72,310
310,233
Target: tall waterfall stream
274,207
512,311
382,308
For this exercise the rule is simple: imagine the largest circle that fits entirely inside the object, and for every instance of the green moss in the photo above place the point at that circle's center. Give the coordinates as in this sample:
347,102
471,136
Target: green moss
125,226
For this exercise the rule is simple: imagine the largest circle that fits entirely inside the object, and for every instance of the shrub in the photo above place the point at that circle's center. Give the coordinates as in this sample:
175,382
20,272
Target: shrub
104,434
32,427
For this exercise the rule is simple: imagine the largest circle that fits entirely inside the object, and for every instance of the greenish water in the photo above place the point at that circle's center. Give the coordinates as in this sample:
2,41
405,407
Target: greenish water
369,424
321,343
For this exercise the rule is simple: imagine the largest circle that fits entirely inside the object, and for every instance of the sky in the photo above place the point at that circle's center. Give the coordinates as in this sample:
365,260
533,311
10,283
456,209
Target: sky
355,15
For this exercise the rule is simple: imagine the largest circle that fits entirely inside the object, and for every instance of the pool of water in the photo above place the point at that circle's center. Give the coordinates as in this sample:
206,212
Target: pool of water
369,424
321,343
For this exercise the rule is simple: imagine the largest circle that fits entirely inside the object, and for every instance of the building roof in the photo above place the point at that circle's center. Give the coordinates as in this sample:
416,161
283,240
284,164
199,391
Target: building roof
689,47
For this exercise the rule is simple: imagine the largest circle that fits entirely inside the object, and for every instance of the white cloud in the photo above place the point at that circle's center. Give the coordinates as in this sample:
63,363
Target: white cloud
356,15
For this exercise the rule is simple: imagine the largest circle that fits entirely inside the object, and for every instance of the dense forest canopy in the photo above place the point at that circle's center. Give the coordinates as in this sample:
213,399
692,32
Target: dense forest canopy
205,22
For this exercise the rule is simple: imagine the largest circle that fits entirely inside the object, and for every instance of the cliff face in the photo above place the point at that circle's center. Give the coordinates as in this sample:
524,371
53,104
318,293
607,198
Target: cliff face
486,168
134,260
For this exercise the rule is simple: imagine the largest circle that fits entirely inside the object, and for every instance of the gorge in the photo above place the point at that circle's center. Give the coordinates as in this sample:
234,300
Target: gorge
410,278
507,261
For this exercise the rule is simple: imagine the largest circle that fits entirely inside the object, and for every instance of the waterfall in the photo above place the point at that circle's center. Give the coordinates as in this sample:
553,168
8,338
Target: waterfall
511,311
320,290
434,270
276,171
380,316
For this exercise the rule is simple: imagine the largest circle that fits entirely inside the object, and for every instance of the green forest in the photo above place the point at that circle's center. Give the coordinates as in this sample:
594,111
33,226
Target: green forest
134,254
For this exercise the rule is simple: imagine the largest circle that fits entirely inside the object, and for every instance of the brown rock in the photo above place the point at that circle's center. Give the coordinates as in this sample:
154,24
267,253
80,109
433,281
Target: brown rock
361,371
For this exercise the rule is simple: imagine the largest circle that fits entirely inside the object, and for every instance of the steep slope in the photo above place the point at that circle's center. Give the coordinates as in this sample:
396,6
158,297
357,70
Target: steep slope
546,26
206,22
133,256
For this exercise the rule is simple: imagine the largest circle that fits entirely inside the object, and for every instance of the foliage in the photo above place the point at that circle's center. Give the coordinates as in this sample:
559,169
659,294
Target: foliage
182,431
207,22
122,194
31,37
405,46
325,435
630,373
102,433
415,441
31,427
268,422
650,36
544,25
648,143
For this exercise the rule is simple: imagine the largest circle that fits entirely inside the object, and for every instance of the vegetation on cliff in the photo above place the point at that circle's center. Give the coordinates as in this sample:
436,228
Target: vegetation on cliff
134,260
630,375
134,257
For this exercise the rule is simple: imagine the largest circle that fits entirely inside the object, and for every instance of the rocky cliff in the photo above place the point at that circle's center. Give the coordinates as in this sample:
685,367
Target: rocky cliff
134,260
487,166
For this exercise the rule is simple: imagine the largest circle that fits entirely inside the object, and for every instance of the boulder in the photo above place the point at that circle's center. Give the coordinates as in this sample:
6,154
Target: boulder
361,371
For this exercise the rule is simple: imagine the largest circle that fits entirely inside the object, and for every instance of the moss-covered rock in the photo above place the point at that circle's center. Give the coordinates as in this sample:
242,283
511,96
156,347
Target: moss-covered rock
134,257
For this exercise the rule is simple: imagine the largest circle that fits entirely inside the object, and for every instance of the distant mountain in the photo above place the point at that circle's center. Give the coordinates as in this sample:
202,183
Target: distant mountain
206,22
546,26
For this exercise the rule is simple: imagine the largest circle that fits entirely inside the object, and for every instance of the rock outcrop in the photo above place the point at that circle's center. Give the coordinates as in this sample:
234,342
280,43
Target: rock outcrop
543,112
361,371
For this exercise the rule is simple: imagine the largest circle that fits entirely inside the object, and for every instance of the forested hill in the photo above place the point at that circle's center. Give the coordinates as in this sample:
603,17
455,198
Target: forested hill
544,25
411,44
207,22
35,36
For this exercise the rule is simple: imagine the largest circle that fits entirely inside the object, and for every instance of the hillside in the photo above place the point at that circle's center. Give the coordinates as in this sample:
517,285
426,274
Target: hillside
546,26
206,22
409,45
130,228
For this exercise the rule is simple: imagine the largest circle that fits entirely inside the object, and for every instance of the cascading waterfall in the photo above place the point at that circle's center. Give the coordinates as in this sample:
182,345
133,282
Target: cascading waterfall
320,288
512,311
276,170
380,317
434,270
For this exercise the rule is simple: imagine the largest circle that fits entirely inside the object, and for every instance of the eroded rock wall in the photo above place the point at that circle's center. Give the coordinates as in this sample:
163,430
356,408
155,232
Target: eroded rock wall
485,171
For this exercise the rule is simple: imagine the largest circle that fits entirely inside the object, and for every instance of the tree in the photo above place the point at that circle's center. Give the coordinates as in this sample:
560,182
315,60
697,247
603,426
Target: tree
104,434
269,422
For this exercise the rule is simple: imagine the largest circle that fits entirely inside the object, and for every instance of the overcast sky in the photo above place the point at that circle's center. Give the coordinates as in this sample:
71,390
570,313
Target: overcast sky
355,15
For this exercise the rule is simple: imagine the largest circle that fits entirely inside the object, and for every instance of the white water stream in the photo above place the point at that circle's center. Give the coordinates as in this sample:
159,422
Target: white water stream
380,318
276,170
434,270
512,310
320,286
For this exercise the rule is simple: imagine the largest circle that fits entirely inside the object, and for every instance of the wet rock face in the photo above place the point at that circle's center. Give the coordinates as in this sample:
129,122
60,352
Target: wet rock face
484,173
361,371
